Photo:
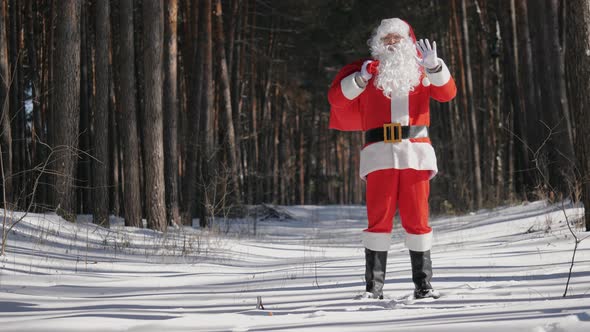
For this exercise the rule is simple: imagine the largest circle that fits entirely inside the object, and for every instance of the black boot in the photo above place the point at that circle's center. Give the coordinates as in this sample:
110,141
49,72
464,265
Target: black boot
375,264
422,274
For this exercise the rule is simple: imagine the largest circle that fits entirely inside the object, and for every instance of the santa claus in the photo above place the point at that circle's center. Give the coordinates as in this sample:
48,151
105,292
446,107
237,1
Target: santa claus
387,97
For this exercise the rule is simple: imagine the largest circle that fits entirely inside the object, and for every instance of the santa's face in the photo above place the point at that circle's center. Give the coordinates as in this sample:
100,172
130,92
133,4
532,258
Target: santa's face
398,70
391,39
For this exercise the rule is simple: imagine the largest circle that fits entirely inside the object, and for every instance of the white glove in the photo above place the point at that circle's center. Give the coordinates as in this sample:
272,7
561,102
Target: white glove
365,75
429,58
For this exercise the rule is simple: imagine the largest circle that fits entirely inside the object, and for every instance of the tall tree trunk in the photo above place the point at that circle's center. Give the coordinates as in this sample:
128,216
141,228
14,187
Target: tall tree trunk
497,88
578,79
207,119
115,155
234,27
301,159
529,116
472,113
561,145
84,179
171,111
225,90
153,42
239,84
100,137
127,115
457,124
140,95
275,142
194,144
45,116
6,134
255,164
284,147
66,85
33,36
26,163
544,95
482,100
511,82
268,99
15,108
234,64
116,204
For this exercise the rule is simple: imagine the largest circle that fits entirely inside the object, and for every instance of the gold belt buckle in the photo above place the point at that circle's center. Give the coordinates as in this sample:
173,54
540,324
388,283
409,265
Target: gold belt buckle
392,128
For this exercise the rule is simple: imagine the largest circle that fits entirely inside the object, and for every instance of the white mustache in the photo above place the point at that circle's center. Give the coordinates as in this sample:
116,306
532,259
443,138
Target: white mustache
398,71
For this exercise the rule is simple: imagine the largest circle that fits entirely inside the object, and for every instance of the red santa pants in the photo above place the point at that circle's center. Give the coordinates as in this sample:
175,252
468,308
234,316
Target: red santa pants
389,189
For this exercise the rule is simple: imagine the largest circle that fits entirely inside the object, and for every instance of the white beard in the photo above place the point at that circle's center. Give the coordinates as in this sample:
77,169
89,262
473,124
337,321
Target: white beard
398,71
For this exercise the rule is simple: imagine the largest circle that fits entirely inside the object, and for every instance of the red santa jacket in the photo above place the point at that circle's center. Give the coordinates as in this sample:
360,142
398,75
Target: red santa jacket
354,108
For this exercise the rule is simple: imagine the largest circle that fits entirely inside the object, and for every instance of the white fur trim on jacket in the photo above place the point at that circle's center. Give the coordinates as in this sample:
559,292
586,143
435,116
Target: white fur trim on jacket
350,89
442,77
419,242
376,241
400,110
402,155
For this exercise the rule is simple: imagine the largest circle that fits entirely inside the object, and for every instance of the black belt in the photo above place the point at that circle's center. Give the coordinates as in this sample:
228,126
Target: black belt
394,133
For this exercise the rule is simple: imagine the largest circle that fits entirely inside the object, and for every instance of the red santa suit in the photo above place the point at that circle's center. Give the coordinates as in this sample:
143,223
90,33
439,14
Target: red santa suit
398,173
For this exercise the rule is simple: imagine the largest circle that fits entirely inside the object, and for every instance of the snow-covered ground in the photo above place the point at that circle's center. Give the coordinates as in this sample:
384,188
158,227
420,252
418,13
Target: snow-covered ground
498,270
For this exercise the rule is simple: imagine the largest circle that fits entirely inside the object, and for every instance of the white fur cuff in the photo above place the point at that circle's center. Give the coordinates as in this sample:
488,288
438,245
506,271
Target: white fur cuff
376,241
419,242
350,89
440,78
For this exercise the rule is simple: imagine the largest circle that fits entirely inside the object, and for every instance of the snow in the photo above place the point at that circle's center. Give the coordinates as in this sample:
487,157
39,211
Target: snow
500,269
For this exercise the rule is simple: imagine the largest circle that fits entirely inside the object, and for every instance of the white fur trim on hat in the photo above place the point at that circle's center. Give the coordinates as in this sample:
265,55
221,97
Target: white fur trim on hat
387,26
395,24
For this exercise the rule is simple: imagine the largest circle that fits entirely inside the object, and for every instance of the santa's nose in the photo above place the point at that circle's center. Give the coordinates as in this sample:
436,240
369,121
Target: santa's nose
391,39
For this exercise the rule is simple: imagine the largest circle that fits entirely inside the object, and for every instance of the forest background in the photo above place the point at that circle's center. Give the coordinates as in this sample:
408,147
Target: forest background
178,109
